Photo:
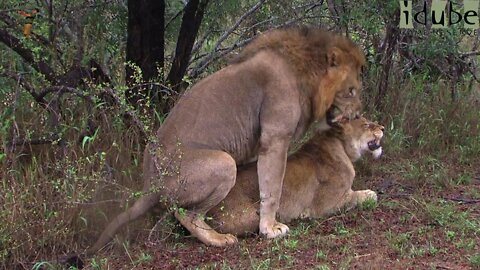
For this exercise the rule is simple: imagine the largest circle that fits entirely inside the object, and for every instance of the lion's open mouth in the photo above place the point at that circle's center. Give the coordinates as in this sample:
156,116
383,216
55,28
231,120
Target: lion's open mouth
374,145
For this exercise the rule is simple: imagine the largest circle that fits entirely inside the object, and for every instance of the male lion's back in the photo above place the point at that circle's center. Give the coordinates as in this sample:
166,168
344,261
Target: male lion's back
222,111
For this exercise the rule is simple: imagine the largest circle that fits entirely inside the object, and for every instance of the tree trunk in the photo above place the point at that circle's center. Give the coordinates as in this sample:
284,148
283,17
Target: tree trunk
145,48
192,18
389,45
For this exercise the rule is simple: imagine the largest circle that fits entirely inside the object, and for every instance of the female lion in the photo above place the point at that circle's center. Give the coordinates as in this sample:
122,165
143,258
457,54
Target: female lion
318,179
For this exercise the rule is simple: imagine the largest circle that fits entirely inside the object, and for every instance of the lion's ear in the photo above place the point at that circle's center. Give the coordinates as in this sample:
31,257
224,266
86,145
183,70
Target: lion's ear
332,57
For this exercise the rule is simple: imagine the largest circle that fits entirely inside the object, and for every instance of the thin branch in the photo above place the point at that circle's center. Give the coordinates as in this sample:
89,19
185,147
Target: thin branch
218,52
12,23
259,24
468,54
109,94
333,10
200,67
27,55
470,69
91,4
199,43
64,89
37,141
309,6
175,17
463,200
25,85
305,15
242,18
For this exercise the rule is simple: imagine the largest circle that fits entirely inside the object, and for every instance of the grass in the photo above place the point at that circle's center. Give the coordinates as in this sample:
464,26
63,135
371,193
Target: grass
443,222
399,242
54,204
368,205
52,200
321,255
474,261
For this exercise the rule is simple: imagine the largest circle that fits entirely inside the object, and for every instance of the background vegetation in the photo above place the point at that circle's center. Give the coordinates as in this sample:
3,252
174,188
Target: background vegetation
82,94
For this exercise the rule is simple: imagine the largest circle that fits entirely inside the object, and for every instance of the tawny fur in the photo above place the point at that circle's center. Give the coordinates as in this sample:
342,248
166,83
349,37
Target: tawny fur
250,110
309,52
317,182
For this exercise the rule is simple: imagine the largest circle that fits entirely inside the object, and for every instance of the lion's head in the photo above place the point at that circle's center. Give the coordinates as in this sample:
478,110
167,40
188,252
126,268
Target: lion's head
327,66
360,136
343,79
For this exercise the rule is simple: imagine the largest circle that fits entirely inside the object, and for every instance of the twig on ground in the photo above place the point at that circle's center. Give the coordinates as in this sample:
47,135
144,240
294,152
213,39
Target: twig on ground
37,141
462,200
149,241
468,54
361,256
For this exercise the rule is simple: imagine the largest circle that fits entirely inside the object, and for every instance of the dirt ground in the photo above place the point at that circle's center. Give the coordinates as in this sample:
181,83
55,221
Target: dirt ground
420,226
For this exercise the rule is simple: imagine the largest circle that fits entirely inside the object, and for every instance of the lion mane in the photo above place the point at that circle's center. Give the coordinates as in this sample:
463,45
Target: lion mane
309,52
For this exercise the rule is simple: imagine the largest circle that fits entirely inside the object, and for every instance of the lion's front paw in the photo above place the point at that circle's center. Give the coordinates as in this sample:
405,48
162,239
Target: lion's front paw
275,230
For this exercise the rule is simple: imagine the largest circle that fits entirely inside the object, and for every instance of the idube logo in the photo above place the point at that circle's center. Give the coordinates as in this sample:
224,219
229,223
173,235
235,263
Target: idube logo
440,15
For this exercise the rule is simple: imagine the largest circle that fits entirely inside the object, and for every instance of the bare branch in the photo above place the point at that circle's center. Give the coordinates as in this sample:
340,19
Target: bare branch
64,89
199,43
200,67
37,141
218,52
109,95
468,54
25,85
333,10
174,17
463,200
309,6
216,55
238,22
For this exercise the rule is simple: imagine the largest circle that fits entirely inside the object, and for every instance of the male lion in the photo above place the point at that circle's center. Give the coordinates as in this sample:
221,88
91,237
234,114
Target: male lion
248,111
318,179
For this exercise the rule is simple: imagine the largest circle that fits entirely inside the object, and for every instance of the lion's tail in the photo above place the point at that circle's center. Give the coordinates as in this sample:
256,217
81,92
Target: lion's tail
139,208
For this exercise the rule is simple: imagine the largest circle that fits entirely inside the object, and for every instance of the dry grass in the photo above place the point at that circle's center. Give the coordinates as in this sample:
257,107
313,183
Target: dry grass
56,199
55,196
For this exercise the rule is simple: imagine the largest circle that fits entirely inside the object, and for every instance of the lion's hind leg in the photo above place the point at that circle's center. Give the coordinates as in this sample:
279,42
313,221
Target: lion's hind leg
196,225
351,199
207,178
358,197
